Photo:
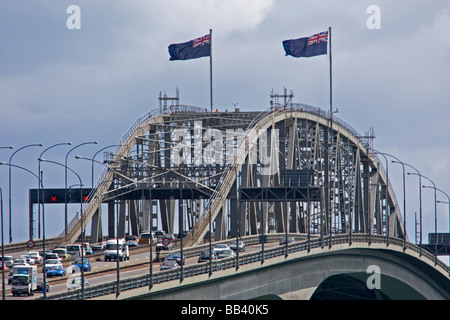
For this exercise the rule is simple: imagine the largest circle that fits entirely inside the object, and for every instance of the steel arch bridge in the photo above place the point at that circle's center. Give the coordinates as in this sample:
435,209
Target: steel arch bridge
290,168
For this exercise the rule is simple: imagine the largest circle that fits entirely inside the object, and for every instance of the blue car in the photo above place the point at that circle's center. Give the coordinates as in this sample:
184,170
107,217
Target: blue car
77,265
56,271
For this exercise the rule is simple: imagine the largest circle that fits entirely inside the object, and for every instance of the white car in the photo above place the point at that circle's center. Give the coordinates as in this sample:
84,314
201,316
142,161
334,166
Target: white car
221,247
35,255
51,262
28,258
20,262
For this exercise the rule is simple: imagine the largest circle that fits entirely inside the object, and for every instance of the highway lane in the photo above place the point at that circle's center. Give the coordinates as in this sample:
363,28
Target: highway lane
100,275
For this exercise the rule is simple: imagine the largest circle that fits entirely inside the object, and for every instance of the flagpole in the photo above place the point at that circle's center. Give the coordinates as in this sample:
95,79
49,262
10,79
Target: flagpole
210,71
330,204
331,82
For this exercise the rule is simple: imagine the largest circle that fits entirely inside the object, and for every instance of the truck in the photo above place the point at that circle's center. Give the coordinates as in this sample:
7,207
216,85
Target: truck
24,280
115,246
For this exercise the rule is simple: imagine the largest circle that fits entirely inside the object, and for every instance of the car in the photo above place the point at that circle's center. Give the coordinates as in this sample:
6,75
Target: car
169,264
160,247
98,248
20,262
56,270
62,253
220,247
51,262
285,240
175,256
8,260
40,286
36,256
240,246
159,234
89,251
52,255
168,236
204,256
29,259
147,236
75,283
77,265
6,268
225,254
132,241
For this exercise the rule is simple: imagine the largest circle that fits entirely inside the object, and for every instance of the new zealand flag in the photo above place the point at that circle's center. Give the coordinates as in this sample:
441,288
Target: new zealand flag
197,48
307,47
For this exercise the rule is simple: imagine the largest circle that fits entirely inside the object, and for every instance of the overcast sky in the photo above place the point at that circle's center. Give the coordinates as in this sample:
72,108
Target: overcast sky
90,84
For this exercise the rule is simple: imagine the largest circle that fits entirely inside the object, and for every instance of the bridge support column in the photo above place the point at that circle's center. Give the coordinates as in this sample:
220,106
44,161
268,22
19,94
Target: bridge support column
96,226
111,219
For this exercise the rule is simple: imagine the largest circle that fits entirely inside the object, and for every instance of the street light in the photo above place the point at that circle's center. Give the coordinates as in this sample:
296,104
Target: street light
81,217
39,188
9,163
117,210
404,200
435,212
3,245
65,182
92,177
448,202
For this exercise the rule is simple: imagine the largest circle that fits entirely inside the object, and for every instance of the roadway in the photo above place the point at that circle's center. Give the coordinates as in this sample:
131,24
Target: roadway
106,271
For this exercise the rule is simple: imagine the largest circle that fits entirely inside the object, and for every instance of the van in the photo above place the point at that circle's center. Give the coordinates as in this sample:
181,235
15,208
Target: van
146,237
114,247
24,280
75,250
62,253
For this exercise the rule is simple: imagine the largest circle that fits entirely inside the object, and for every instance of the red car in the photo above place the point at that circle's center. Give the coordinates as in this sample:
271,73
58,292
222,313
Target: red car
1,266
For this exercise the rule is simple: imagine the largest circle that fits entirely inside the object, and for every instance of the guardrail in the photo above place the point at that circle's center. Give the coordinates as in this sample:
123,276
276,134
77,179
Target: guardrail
244,258
38,245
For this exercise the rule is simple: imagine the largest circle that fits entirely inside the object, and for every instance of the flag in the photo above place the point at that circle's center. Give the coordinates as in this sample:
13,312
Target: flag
197,48
307,47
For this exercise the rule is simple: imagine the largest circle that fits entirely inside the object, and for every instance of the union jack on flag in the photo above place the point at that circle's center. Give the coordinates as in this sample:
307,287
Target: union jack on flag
197,48
201,41
307,46
317,38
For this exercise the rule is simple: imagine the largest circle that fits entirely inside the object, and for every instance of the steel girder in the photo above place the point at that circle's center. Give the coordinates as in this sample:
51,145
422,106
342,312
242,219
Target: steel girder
222,152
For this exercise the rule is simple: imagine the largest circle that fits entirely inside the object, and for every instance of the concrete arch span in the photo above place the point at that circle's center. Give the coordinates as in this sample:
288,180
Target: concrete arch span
315,275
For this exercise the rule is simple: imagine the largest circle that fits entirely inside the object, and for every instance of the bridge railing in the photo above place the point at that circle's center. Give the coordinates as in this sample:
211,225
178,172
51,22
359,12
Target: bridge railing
244,258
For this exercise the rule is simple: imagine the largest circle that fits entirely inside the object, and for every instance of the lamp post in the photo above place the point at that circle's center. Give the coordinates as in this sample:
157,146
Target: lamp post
420,201
448,202
39,188
435,212
9,163
81,217
404,199
3,245
386,194
65,182
92,176
117,210
404,190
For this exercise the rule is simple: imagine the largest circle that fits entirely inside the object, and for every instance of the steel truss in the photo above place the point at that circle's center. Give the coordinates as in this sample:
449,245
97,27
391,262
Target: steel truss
245,173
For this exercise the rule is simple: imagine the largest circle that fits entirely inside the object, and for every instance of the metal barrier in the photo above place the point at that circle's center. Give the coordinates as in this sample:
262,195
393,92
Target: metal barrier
244,258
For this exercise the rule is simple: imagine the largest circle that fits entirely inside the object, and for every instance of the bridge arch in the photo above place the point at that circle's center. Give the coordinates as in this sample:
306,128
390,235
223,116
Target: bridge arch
353,191
405,274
